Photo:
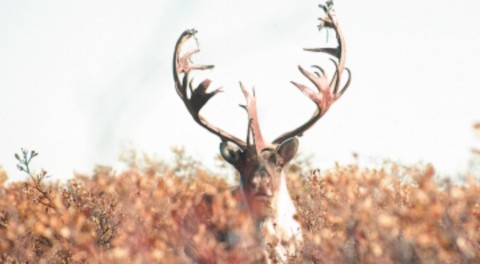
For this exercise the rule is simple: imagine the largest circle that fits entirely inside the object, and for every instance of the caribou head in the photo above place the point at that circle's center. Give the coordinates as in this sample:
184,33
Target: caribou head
260,164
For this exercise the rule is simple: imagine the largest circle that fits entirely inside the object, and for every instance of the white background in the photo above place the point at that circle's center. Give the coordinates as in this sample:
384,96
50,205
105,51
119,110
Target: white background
79,79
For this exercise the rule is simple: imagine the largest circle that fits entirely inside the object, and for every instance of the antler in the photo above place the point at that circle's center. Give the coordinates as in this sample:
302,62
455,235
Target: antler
253,123
328,92
195,99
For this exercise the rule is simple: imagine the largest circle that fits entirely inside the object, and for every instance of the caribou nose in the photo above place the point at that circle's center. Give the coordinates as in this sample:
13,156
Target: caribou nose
264,191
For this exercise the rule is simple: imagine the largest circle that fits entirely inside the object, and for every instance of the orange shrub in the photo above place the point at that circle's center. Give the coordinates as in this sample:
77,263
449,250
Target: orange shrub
399,215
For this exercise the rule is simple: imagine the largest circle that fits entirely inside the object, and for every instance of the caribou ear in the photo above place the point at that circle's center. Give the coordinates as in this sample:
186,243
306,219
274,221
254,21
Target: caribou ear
288,149
230,152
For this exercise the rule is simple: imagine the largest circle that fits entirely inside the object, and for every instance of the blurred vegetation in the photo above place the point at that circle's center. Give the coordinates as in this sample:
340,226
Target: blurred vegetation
397,214
348,214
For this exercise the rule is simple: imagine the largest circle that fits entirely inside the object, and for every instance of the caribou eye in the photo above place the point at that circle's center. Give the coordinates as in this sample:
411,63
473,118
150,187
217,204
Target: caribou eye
264,173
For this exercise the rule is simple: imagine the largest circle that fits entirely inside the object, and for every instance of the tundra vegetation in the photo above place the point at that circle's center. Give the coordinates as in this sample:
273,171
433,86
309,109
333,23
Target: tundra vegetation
395,214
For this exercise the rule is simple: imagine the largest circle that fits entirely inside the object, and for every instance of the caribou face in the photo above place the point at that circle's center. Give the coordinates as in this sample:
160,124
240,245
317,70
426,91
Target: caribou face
262,174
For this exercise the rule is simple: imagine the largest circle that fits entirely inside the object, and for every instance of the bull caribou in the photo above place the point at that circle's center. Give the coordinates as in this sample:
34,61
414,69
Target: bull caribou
262,165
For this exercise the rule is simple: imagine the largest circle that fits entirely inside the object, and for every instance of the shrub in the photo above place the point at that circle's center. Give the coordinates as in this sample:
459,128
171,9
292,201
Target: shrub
142,215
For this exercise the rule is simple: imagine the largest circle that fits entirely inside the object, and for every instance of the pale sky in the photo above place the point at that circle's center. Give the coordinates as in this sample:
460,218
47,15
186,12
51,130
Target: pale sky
80,78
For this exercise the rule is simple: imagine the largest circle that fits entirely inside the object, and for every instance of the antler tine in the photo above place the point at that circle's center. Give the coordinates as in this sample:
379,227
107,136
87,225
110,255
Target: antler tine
198,97
253,123
328,91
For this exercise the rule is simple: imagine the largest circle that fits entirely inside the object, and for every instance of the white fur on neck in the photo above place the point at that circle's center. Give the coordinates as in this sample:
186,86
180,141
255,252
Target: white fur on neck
283,224
286,212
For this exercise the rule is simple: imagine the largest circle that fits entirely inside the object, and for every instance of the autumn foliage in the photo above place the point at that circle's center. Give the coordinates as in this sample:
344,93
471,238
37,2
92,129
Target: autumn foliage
142,215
